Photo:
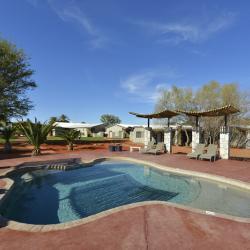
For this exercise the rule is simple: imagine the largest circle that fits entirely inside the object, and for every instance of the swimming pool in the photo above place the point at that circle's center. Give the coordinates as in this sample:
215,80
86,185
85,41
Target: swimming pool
49,196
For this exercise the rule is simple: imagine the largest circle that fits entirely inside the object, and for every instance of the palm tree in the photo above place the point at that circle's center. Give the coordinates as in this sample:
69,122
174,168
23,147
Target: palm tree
53,118
7,132
63,118
36,133
70,135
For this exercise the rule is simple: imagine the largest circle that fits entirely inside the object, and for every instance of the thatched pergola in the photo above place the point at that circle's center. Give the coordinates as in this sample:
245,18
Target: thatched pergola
222,111
160,115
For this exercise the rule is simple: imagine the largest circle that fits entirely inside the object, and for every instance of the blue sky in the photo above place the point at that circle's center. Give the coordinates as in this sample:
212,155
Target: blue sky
93,57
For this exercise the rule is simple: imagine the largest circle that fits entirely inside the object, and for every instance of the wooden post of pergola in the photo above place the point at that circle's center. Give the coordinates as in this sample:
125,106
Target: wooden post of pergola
168,122
167,134
148,122
197,121
224,130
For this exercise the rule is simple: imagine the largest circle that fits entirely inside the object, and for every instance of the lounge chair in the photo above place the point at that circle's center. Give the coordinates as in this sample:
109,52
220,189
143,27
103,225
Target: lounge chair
197,152
151,145
160,148
211,153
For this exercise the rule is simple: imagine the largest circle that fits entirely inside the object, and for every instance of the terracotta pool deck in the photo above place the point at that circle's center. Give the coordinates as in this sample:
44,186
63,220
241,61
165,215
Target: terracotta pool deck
145,227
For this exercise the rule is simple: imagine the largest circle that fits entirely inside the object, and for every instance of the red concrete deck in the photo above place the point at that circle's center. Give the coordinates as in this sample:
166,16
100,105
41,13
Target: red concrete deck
147,227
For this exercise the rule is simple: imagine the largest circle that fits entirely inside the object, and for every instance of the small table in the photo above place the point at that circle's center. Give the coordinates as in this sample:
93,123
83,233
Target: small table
132,149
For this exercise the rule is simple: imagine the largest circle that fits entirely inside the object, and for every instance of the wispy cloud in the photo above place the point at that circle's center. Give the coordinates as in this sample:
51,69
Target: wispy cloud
146,86
33,2
194,32
71,12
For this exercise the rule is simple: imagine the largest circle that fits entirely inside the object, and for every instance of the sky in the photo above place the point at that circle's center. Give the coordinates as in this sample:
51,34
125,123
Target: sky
93,57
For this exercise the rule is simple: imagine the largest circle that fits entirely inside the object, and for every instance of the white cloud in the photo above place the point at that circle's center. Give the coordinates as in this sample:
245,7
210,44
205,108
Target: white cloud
137,82
71,12
196,31
74,13
146,86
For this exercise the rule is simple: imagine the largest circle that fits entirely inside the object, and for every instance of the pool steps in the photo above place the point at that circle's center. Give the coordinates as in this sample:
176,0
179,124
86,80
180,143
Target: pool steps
56,167
63,167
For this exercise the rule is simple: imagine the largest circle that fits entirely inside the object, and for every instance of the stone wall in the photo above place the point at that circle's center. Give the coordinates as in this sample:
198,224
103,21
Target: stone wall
224,143
168,140
147,136
195,138
248,138
135,139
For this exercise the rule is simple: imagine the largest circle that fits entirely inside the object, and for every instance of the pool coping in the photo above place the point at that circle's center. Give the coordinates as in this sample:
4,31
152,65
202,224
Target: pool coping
53,227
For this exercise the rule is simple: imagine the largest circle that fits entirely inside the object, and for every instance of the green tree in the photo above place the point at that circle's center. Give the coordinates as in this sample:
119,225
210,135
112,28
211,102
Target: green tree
63,118
53,119
177,98
108,119
36,133
209,96
15,80
7,133
214,95
70,135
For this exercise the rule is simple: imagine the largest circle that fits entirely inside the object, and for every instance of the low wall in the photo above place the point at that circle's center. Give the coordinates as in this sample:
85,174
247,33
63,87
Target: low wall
80,142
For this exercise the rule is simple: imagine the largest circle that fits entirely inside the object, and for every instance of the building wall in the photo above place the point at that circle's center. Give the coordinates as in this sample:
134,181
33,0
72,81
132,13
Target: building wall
157,135
99,134
57,130
137,135
85,132
116,132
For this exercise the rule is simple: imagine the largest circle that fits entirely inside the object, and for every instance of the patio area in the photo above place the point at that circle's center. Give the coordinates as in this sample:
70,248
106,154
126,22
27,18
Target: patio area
144,227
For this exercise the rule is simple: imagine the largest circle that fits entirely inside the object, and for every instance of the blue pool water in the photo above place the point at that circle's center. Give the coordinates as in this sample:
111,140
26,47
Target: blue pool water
49,196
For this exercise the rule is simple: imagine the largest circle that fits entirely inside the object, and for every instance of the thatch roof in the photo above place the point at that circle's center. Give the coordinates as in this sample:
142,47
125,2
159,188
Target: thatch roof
226,110
222,111
163,114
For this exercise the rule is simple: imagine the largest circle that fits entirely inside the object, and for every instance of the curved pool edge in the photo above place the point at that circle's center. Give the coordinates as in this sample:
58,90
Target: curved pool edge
10,224
213,177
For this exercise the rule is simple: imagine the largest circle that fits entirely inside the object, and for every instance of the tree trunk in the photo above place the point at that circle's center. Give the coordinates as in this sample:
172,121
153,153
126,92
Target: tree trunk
36,152
175,138
188,139
7,147
70,146
179,142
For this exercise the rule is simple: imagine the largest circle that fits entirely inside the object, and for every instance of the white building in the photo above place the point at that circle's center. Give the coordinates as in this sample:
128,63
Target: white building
86,129
119,131
138,133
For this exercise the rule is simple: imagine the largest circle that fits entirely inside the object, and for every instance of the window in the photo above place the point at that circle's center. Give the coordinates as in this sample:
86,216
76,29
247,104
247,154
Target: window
138,134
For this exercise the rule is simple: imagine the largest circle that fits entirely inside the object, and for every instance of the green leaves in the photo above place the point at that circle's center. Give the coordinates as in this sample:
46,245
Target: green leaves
70,135
108,119
208,96
15,80
7,132
36,133
63,118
